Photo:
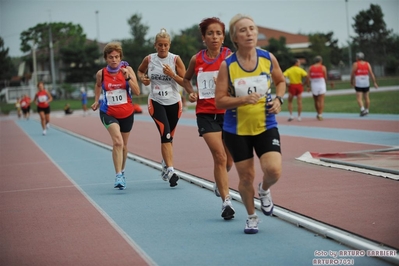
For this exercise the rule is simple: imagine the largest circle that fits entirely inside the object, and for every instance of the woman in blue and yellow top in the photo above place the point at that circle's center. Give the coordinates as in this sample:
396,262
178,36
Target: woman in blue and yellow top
243,89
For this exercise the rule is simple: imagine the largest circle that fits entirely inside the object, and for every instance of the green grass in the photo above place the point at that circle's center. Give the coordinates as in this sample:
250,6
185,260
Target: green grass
381,102
385,102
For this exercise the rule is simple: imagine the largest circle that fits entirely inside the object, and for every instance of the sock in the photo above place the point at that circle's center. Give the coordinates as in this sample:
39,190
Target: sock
118,174
252,216
171,169
362,108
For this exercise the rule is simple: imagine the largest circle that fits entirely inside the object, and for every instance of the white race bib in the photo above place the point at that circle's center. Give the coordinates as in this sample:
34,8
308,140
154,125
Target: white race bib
258,84
42,98
116,97
206,84
163,91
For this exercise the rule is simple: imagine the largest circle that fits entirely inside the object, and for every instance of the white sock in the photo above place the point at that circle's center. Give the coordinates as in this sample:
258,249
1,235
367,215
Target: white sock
252,216
171,169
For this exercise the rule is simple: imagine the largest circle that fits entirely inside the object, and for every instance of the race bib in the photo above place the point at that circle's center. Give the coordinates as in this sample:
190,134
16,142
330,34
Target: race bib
258,84
116,97
42,98
163,91
206,84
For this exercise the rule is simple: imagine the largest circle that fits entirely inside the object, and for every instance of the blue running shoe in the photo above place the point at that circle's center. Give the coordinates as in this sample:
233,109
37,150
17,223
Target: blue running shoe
119,182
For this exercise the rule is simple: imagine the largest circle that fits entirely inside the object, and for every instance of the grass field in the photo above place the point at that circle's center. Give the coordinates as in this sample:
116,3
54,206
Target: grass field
385,102
381,102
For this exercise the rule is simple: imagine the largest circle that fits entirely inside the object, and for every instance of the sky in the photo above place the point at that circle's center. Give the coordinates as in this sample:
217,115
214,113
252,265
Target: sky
107,20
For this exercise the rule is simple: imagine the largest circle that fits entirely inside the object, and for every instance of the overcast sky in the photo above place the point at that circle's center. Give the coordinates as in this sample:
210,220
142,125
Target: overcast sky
294,16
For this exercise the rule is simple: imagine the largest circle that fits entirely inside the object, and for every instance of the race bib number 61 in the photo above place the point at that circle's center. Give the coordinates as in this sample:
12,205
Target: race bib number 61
249,85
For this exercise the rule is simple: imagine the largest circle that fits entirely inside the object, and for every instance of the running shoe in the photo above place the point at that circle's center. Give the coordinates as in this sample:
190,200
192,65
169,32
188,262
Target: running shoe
173,178
299,119
123,182
265,200
363,113
227,209
44,133
290,119
164,170
319,117
216,190
251,226
119,182
47,125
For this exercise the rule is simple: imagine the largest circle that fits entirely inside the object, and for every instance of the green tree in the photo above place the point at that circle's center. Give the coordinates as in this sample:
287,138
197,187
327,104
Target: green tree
280,50
61,34
80,61
327,47
185,46
135,49
7,68
372,34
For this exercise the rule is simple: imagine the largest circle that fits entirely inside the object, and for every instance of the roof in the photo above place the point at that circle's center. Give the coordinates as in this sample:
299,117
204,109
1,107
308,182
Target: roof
293,41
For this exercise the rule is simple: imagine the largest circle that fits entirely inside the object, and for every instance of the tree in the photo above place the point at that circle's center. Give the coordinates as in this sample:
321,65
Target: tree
372,34
80,61
61,33
327,47
281,52
135,49
6,66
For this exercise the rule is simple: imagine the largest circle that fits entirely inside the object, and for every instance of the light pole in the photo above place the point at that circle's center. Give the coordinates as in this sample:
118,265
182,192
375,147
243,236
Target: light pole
347,24
34,64
98,28
51,55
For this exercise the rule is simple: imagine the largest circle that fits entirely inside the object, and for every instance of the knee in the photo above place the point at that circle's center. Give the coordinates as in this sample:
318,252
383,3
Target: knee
118,142
220,158
274,173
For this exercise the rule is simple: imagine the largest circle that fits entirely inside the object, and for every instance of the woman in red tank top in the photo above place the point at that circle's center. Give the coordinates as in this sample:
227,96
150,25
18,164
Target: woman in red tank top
42,100
205,65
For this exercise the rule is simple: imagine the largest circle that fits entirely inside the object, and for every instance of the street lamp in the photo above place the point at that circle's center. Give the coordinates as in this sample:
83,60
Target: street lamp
53,79
98,28
347,24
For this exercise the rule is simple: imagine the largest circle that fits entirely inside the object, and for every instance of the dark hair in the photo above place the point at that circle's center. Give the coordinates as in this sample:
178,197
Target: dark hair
203,26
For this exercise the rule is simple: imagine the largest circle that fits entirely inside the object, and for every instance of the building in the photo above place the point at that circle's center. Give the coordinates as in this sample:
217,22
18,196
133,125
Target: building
296,42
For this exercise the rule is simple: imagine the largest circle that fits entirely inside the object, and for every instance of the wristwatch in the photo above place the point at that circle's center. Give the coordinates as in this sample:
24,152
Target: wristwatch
280,99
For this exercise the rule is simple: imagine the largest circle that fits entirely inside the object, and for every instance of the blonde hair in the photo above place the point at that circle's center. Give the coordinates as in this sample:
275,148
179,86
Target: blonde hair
162,34
113,46
232,28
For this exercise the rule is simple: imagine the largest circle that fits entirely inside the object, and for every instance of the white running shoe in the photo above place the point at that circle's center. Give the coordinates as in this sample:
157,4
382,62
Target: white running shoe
251,226
216,190
227,209
265,200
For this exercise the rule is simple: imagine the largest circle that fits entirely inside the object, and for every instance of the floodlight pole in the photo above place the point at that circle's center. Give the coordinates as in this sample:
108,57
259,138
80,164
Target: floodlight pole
34,64
98,28
349,43
53,79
